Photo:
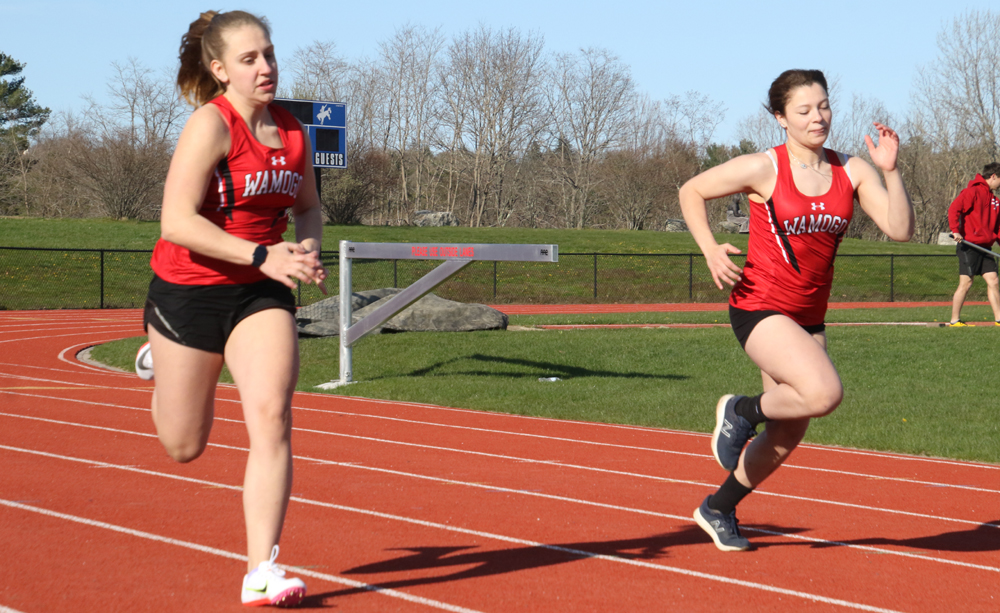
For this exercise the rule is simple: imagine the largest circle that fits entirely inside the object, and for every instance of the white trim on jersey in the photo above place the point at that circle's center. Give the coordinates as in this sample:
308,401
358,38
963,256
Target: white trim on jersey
222,191
774,232
843,163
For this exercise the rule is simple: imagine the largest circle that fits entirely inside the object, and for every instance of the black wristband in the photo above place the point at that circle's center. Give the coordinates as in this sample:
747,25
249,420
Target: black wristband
259,255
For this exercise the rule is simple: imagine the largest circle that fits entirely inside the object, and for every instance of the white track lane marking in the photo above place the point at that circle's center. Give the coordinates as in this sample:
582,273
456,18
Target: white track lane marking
75,371
578,441
4,609
72,361
434,525
503,489
42,338
706,456
494,488
665,431
235,556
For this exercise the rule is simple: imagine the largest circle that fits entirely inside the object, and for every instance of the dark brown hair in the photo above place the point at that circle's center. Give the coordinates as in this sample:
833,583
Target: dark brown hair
993,168
782,87
204,42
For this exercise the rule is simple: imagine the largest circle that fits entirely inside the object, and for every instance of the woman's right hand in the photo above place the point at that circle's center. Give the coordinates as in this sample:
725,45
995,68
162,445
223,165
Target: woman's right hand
721,267
286,262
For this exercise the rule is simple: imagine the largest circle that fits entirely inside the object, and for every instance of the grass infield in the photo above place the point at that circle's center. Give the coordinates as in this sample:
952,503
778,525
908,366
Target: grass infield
910,389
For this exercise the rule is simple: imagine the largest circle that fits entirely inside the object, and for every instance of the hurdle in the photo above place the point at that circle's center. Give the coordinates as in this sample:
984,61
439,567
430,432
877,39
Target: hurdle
455,257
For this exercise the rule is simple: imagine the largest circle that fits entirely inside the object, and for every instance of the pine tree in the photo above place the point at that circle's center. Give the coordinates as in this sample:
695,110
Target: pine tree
20,120
20,115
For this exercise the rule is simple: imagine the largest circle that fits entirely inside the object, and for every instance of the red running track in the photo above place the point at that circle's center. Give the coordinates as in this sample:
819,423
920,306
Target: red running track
403,506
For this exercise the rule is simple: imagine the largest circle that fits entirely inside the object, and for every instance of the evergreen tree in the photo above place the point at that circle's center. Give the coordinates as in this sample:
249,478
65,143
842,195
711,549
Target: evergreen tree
20,120
19,113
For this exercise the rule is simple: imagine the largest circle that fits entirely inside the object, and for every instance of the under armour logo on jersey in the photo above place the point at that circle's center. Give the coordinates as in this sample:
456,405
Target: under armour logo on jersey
276,160
821,206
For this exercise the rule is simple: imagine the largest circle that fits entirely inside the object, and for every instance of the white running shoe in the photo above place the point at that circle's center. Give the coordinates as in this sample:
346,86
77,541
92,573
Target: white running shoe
144,362
266,585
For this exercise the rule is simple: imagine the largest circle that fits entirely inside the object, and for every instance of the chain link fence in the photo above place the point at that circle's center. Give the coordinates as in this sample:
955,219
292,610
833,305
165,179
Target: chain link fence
33,278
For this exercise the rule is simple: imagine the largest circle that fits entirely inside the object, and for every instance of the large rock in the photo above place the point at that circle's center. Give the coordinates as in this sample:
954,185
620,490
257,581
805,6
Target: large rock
323,318
675,225
432,218
434,314
429,314
944,238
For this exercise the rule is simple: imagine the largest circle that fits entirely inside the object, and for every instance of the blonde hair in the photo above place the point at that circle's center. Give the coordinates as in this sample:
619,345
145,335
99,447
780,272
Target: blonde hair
204,42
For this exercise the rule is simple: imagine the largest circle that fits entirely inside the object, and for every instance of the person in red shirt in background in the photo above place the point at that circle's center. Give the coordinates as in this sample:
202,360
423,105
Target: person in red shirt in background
973,217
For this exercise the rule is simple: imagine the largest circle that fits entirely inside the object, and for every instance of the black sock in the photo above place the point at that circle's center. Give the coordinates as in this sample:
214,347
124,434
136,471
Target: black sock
748,407
728,496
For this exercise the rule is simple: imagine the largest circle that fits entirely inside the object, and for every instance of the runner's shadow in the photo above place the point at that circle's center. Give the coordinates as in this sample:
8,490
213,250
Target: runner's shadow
423,565
985,537
538,369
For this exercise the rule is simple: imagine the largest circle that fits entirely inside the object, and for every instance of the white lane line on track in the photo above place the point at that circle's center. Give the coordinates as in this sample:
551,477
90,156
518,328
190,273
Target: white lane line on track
827,448
507,432
357,466
61,326
235,556
706,456
57,382
49,326
4,609
629,447
72,361
42,338
667,431
434,525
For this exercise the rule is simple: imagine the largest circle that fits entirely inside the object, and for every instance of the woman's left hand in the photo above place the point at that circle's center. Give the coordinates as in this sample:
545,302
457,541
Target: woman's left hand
884,155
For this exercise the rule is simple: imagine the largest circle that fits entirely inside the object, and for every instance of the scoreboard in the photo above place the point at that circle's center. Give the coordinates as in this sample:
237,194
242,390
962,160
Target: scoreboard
326,123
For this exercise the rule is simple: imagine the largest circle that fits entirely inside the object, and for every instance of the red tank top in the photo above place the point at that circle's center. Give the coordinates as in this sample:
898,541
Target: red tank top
249,196
793,242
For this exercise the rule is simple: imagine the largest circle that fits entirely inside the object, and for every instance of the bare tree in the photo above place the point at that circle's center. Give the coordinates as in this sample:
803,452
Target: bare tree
124,155
497,75
317,73
590,99
961,87
409,67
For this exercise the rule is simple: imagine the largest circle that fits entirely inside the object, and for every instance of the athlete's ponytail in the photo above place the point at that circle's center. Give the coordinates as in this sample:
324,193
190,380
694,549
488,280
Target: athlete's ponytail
204,42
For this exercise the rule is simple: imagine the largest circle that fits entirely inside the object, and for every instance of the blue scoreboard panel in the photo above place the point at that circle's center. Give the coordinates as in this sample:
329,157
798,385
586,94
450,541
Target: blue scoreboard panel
326,123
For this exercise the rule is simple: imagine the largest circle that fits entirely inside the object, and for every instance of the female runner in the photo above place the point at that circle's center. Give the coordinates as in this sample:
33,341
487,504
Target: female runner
223,276
801,201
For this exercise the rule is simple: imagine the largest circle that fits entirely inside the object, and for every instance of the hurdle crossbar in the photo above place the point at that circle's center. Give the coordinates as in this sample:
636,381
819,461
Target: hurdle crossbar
455,258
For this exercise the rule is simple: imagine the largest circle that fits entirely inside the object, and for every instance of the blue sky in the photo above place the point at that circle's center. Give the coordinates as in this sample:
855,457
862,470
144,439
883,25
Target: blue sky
727,49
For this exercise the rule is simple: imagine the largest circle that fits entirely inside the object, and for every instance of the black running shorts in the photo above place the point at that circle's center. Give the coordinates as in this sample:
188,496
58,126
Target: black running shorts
745,321
972,262
203,316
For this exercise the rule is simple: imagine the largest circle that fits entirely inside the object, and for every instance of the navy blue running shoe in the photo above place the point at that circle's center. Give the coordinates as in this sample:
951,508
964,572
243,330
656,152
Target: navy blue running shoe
731,433
724,529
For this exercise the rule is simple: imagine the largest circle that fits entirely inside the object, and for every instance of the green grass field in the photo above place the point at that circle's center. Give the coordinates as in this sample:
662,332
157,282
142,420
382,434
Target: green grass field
644,274
908,389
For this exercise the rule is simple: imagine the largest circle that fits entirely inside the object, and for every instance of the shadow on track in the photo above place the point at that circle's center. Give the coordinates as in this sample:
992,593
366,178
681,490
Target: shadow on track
468,563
